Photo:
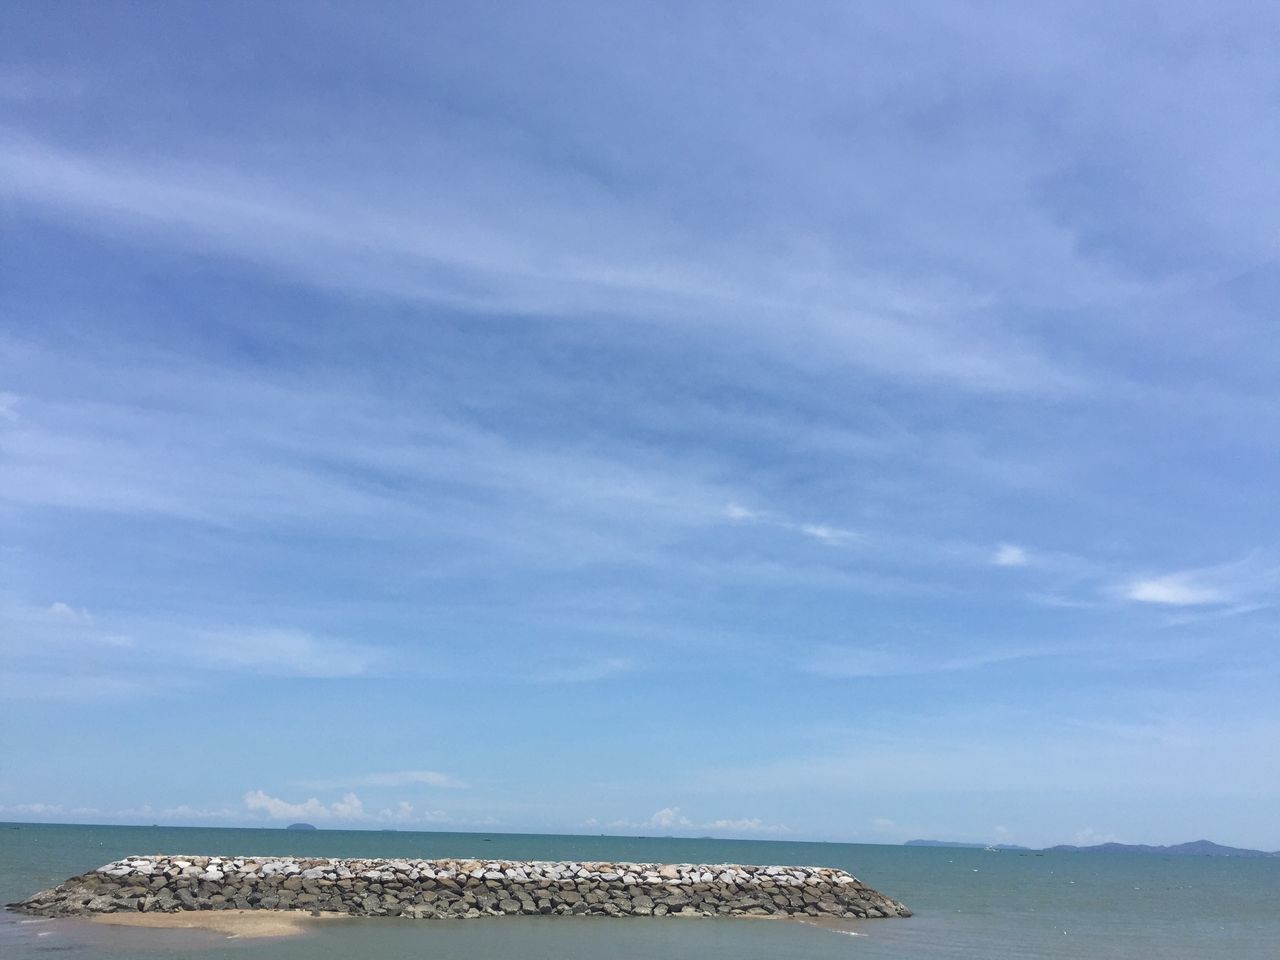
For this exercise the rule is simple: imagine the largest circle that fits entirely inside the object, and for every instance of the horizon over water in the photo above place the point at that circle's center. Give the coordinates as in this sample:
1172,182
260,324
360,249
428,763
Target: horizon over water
969,903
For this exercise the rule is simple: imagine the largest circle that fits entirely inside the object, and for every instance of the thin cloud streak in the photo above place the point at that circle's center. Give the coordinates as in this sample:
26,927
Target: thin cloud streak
395,778
59,642
377,251
845,662
823,533
1173,589
1246,585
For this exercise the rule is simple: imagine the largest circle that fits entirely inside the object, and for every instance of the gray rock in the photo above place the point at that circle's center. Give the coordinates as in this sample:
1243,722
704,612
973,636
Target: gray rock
425,888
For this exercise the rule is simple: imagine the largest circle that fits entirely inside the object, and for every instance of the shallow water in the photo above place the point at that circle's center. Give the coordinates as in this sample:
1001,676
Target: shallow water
968,903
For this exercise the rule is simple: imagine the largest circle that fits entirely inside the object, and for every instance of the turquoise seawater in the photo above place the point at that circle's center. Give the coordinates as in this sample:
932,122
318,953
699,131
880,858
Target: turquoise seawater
968,903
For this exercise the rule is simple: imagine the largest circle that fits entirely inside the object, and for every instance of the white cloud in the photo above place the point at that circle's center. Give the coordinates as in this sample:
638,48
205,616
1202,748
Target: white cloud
349,808
34,809
1219,612
669,817
834,536
738,512
259,802
8,406
62,651
824,533
1175,589
341,457
145,812
404,812
1248,584
467,249
65,613
1010,555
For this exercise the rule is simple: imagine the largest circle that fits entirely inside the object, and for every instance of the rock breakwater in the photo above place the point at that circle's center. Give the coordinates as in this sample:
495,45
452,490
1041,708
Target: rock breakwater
424,889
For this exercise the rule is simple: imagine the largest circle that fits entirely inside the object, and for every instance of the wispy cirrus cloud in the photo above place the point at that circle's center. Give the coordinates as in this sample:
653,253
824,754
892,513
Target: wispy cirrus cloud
1174,589
394,778
289,652
462,394
849,662
282,455
1243,583
480,258
823,533
64,650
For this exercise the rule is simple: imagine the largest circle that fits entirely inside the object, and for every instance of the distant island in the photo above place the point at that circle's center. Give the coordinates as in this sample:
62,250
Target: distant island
1196,848
301,826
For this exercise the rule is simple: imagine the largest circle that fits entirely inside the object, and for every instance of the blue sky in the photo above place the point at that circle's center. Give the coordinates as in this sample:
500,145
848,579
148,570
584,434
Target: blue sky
844,422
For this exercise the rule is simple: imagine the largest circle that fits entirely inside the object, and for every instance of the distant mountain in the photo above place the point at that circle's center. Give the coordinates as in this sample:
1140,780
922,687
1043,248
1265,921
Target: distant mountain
958,845
300,826
1196,848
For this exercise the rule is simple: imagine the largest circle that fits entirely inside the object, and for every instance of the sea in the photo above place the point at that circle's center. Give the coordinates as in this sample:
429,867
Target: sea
968,903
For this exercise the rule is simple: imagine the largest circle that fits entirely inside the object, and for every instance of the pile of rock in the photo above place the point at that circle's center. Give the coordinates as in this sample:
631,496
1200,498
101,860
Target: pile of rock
461,888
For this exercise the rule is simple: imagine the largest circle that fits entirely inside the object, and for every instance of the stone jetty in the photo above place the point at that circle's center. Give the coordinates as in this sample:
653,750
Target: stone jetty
428,889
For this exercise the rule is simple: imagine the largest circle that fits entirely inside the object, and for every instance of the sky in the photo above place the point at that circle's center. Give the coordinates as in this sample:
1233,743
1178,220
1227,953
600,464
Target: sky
833,421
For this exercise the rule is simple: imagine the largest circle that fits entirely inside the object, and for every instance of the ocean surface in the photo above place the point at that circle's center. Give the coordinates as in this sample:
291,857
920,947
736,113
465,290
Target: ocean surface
968,903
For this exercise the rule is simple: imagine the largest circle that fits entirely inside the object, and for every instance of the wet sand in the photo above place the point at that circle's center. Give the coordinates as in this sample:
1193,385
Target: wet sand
244,924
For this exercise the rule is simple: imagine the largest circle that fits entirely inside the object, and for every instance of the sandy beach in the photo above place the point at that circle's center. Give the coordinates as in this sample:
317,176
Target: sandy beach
246,924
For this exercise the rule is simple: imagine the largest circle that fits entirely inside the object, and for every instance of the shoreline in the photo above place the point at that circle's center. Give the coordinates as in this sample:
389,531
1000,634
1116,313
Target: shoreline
237,924
256,924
